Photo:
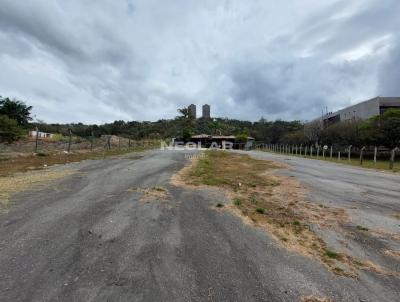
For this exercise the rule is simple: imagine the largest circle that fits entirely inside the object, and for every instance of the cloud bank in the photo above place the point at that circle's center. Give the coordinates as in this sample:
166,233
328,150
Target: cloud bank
98,61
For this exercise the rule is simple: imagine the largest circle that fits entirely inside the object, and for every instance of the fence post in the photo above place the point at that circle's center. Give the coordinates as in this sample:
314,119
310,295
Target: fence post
375,154
91,141
37,139
330,155
323,152
362,155
311,151
349,152
70,140
392,155
338,155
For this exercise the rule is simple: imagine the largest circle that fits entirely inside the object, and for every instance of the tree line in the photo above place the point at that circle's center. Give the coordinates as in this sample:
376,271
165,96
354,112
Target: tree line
381,130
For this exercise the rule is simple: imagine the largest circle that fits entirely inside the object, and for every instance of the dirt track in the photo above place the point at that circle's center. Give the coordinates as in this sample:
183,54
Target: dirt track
93,237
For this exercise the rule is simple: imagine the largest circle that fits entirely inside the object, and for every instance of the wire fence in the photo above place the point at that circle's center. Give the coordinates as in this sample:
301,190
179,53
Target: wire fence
72,144
379,156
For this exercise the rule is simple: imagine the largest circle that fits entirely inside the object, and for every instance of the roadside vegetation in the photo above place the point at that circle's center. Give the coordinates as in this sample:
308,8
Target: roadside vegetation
354,161
16,183
276,204
41,160
14,119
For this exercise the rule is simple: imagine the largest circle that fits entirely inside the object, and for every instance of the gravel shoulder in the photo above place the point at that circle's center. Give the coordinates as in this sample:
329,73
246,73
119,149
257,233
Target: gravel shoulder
92,236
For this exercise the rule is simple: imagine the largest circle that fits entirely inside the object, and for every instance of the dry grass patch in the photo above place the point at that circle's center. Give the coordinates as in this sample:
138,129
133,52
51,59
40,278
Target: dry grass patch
29,162
275,203
315,299
153,193
20,182
393,254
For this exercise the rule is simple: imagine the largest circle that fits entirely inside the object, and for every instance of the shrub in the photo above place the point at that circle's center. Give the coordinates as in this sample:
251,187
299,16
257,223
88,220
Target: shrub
331,254
9,129
253,198
361,228
237,202
260,210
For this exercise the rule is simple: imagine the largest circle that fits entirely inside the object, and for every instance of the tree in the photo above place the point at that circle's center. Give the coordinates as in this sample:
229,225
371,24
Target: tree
16,110
186,123
383,129
9,129
241,138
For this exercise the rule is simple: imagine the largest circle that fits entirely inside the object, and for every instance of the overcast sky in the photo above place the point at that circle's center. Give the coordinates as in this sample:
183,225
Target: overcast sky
102,60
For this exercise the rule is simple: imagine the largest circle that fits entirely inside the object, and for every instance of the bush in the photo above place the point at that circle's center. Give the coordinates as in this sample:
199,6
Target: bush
260,210
237,202
9,129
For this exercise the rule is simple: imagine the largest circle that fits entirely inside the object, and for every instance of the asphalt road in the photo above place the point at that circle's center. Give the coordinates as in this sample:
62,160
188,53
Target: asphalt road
91,237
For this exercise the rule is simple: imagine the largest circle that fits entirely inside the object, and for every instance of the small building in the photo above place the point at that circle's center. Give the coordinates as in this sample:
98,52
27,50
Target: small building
363,110
39,134
192,111
206,111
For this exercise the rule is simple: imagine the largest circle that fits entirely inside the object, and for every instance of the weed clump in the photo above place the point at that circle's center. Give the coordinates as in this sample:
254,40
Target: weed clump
237,202
361,228
260,210
332,254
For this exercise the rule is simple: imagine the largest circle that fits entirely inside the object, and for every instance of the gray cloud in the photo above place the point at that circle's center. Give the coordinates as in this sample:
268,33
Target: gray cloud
142,59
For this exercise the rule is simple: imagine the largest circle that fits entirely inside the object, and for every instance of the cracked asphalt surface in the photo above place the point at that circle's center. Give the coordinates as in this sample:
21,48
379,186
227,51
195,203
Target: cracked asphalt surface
90,237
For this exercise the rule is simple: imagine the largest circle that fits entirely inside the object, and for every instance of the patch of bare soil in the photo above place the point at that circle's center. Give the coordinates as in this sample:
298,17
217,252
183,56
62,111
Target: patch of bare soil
20,182
276,204
393,254
152,194
315,299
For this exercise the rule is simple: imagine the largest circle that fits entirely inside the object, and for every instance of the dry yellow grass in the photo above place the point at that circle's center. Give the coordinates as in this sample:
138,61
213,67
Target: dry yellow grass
153,193
20,182
315,299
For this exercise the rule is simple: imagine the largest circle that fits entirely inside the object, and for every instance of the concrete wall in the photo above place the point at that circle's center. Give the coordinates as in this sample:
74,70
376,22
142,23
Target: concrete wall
362,110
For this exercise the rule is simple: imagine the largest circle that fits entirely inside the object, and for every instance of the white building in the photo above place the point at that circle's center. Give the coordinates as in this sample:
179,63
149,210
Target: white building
34,133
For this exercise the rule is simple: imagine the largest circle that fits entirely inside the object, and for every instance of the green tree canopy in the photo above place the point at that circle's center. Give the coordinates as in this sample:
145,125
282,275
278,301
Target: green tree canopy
9,129
16,110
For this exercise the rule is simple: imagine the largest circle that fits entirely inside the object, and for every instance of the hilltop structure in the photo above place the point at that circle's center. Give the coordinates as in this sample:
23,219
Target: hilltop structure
192,110
206,111
205,114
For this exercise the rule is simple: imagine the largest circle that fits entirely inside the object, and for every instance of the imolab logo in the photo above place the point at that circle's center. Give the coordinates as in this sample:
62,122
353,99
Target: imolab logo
194,146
